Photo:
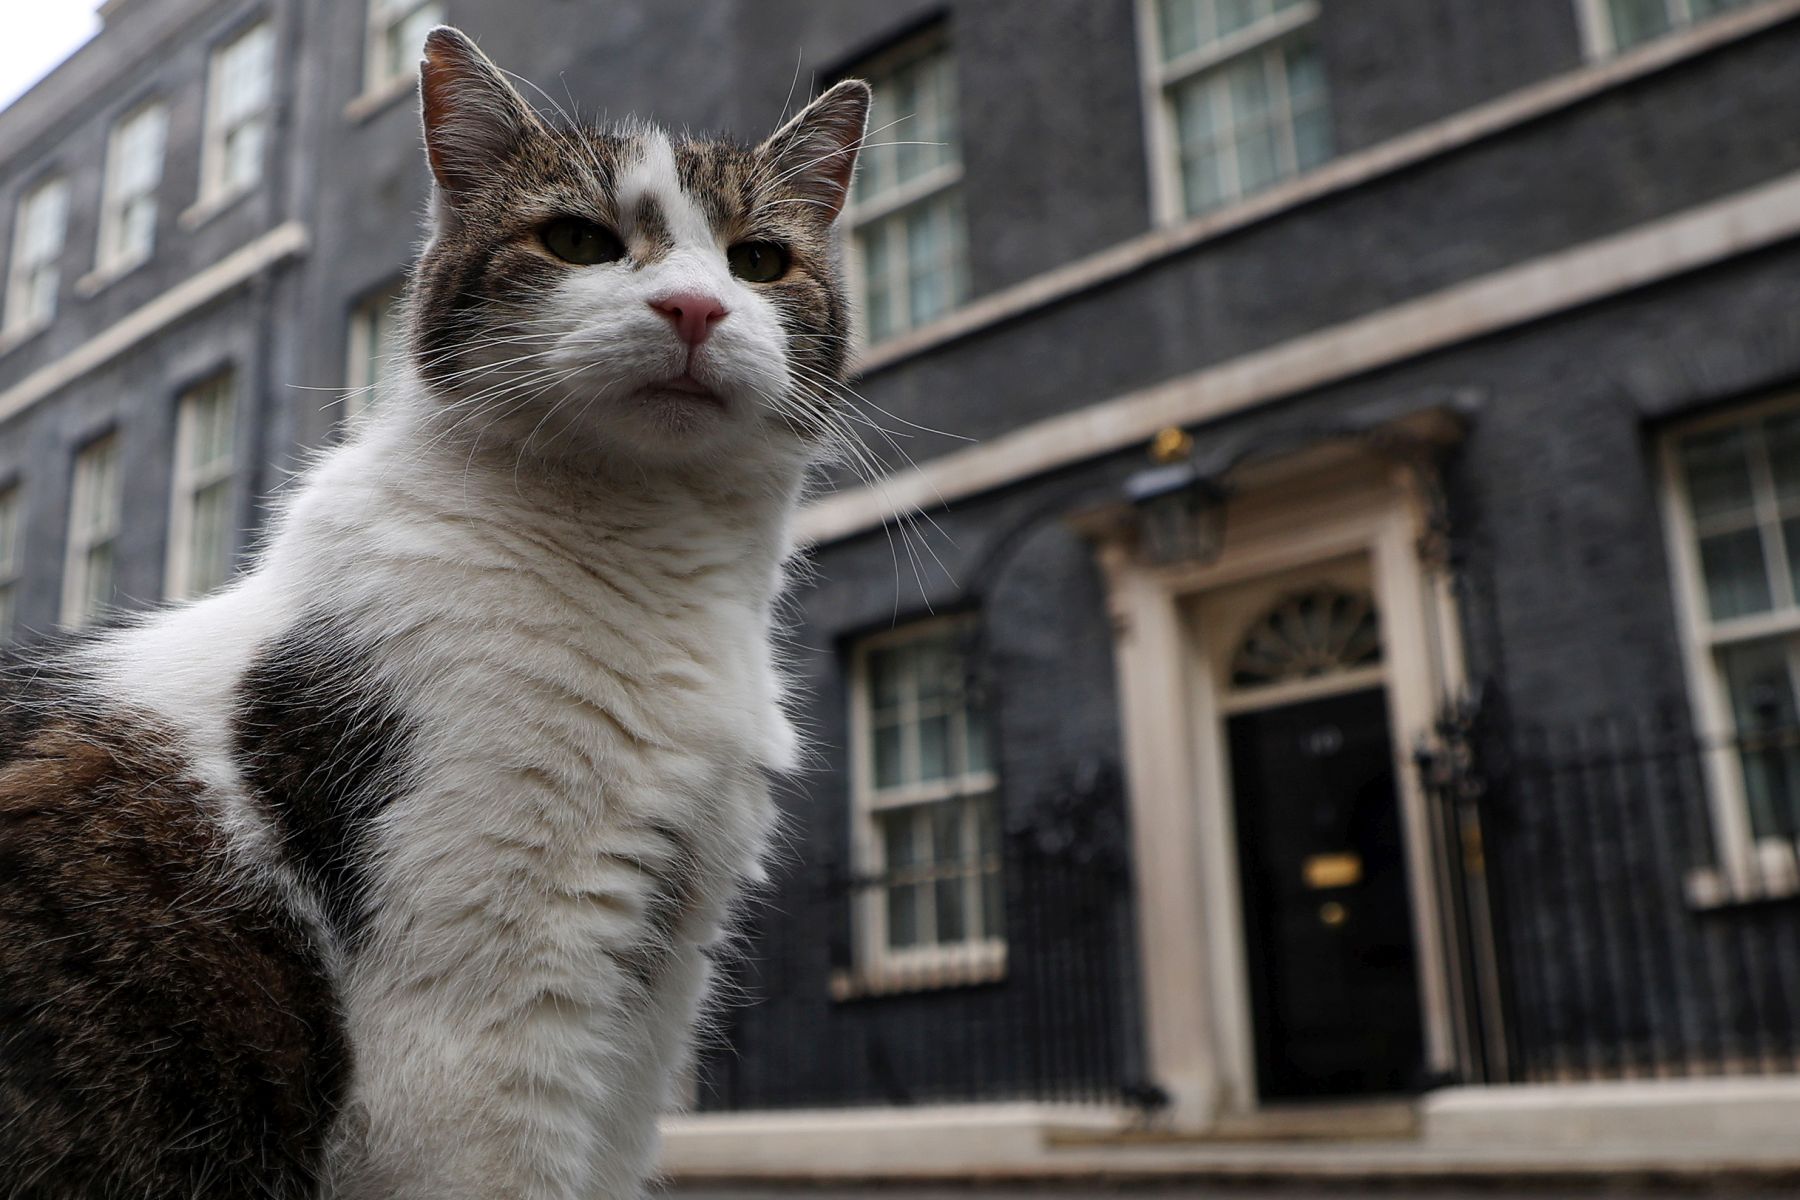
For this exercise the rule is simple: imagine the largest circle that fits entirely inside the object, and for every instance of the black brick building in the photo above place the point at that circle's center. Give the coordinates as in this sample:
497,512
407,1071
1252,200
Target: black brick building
1452,750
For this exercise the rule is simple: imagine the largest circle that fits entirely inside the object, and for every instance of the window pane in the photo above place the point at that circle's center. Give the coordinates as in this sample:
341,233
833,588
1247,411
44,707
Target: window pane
1305,71
1306,101
1258,159
1781,437
209,538
244,154
947,833
9,532
1760,681
1248,84
934,748
900,839
890,768
878,307
975,743
1312,138
1736,581
1236,14
1179,24
952,909
928,262
903,915
1717,467
97,577
1634,21
934,669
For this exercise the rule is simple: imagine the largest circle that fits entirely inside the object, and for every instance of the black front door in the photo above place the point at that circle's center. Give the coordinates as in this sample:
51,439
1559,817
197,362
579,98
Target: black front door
1328,926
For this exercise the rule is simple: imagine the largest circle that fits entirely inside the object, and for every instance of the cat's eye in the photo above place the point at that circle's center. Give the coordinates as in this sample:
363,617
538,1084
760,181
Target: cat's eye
583,243
758,262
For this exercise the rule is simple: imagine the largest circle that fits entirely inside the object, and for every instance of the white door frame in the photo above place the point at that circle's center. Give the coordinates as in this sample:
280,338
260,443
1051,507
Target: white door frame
1311,508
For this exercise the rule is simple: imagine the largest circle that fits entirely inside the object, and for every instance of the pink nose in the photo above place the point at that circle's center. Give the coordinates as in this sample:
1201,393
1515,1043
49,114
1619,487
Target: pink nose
692,313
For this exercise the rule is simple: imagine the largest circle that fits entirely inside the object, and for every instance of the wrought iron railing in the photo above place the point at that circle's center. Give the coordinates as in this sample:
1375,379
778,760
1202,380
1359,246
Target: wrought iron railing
1623,898
816,1017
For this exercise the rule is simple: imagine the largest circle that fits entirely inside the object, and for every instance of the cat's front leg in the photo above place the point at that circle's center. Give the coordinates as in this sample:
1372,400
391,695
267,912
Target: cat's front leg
546,1096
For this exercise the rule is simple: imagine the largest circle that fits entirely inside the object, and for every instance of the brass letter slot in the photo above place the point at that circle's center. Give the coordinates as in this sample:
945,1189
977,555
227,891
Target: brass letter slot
1332,870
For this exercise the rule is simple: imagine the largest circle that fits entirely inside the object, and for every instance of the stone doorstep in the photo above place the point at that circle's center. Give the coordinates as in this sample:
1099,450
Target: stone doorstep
1730,1114
1675,1131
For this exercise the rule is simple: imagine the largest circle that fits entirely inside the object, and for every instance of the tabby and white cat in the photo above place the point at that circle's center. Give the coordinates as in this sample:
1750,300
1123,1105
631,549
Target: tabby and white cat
392,870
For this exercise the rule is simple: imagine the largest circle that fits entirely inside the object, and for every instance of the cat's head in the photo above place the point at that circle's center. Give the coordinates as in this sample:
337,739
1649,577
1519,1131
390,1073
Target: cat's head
624,290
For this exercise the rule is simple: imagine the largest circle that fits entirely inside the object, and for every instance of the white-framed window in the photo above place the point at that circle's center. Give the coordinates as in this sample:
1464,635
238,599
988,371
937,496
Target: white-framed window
39,229
1733,493
926,827
134,163
201,531
397,30
376,343
1609,26
909,241
1235,98
93,532
9,559
239,99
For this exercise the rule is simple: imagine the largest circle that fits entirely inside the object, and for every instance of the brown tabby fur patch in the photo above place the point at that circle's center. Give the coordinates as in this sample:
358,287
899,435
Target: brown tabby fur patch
166,1029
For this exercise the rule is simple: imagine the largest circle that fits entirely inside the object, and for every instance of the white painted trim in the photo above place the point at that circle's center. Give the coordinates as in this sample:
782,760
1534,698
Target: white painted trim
1360,516
1168,201
215,191
1751,868
1299,691
1596,28
943,180
187,481
245,263
1503,299
877,966
15,325
1159,134
109,263
1341,174
81,542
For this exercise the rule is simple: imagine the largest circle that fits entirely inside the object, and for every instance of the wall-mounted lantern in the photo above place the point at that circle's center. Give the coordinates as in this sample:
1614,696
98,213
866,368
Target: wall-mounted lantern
1180,509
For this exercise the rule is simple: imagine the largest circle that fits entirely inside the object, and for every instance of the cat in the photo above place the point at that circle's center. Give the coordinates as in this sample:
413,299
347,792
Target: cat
395,868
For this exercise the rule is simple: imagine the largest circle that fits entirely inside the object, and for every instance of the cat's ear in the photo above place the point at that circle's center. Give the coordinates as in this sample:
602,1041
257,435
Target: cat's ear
815,153
473,116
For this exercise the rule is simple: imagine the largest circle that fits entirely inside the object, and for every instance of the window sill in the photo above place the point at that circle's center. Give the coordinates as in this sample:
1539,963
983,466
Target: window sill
381,96
99,279
1770,872
205,209
930,972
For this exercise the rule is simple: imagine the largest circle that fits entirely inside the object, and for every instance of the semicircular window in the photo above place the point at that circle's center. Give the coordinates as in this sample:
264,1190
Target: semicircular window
1306,635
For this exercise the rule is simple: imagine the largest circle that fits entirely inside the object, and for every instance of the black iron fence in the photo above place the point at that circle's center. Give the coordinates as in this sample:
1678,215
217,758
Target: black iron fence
1624,899
832,1005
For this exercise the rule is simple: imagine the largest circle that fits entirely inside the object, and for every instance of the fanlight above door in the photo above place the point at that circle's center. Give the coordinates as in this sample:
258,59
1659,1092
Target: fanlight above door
1308,634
